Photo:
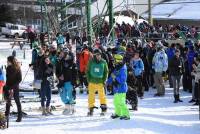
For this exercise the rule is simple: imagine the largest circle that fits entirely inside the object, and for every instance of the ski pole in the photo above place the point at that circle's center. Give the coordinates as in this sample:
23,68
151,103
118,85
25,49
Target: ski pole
7,121
26,74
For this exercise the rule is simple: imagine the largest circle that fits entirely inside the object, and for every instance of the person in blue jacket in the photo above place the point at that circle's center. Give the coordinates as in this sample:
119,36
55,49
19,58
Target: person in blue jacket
60,40
190,58
118,80
170,54
33,64
137,66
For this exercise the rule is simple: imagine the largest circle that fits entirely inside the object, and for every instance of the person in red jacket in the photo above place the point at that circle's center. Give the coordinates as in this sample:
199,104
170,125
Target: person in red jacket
83,62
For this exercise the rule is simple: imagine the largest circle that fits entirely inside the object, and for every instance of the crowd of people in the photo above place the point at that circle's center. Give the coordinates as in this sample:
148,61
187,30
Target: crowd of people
145,30
124,70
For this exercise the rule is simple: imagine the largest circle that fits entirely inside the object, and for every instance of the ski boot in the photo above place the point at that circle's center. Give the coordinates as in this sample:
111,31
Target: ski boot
48,111
124,118
114,116
178,98
72,109
19,116
66,110
91,111
103,109
134,107
175,98
44,113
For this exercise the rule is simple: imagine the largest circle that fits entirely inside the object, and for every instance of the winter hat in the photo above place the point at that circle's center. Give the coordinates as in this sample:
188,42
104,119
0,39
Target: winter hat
159,44
97,51
118,58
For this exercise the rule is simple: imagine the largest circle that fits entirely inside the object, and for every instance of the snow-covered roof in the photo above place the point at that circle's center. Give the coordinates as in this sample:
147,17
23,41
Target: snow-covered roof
127,20
184,11
121,19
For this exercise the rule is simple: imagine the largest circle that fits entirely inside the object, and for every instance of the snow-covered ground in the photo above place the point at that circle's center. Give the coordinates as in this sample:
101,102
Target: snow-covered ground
155,115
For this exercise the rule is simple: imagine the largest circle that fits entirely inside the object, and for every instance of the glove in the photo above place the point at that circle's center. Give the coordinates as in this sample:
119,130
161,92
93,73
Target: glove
113,76
30,65
115,83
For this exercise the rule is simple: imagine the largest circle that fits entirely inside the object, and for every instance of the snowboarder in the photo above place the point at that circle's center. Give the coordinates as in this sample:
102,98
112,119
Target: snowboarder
118,80
97,73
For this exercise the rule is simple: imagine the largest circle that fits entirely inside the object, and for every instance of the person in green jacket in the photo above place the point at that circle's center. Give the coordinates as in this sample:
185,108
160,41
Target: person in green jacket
97,73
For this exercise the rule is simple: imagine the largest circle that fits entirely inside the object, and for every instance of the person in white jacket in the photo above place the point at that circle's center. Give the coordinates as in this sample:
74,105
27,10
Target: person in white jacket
159,65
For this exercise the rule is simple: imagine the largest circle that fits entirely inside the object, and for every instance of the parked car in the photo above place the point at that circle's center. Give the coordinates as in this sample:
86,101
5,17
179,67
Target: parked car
13,30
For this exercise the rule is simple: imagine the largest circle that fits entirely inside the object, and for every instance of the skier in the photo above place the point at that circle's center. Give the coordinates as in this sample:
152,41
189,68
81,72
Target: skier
118,80
97,73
